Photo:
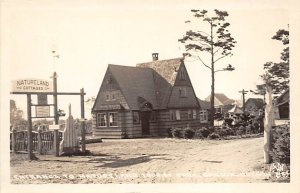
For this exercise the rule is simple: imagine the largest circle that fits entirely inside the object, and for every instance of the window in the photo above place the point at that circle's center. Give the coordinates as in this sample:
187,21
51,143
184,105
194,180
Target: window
182,92
101,120
189,114
153,116
172,115
113,122
194,114
107,97
203,116
177,114
136,117
113,97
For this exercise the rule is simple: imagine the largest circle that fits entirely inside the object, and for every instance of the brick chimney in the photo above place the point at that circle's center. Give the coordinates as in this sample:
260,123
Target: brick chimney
154,56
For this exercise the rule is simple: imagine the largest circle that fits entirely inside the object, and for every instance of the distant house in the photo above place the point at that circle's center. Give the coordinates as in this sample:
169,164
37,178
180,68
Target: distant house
204,112
146,100
282,106
254,105
222,103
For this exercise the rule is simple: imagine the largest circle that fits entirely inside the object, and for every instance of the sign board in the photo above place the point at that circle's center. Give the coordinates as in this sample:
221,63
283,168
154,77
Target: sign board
42,111
42,99
53,127
32,85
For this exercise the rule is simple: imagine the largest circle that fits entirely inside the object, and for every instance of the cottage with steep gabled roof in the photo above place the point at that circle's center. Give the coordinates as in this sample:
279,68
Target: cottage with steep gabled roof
146,100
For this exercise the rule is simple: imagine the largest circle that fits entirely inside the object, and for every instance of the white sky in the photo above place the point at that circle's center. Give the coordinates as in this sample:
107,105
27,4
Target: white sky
89,36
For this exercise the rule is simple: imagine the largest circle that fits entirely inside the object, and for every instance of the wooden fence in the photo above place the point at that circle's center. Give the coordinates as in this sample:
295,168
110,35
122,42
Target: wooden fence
42,141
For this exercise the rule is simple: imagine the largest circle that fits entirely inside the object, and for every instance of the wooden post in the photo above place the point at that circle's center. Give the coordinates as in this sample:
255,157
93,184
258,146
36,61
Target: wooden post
40,145
56,143
13,140
83,122
30,144
269,122
56,117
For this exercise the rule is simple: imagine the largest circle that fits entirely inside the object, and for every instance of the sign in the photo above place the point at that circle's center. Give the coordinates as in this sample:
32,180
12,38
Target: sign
42,99
32,85
53,127
110,107
42,111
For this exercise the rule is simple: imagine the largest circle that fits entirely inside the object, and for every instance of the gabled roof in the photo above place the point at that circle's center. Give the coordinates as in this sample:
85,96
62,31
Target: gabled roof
166,68
204,104
258,102
134,83
221,99
235,109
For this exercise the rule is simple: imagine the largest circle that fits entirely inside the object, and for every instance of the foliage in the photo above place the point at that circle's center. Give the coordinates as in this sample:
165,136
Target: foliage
16,114
188,133
214,135
176,132
280,144
277,74
225,131
215,40
203,132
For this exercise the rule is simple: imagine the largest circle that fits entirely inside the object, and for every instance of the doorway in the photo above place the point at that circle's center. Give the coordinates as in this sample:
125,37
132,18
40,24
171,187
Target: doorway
145,117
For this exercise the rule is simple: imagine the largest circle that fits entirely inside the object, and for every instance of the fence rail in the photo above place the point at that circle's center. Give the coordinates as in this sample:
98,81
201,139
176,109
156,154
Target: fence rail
42,141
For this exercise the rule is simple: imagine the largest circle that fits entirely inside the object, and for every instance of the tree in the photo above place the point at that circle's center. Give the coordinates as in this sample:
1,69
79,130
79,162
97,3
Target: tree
217,42
276,80
16,115
278,73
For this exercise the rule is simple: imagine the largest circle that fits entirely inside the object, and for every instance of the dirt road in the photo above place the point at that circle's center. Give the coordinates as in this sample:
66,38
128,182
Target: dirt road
150,161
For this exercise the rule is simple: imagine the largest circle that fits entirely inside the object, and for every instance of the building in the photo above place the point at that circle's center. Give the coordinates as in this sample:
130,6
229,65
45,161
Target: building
204,112
146,100
282,106
222,103
254,106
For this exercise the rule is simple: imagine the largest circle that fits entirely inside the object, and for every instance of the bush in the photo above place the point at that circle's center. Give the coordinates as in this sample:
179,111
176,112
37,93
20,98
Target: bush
188,133
169,130
214,135
176,132
203,132
280,144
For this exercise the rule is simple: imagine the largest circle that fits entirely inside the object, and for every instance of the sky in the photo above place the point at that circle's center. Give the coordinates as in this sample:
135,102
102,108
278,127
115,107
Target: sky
90,35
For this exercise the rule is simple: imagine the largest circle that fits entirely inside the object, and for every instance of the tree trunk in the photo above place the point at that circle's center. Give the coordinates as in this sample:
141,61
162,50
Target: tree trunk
212,94
269,122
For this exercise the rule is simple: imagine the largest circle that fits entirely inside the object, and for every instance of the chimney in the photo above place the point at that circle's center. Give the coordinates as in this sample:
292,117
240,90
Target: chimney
154,56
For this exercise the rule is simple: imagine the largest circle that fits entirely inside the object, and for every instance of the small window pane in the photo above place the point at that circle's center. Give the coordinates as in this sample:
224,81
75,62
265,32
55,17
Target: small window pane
113,119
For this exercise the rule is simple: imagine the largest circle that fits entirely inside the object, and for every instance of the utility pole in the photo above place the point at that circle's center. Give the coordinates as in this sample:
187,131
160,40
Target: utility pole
243,93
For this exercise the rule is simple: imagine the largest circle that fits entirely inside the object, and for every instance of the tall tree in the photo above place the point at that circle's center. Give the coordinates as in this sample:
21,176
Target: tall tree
16,115
215,40
276,80
278,73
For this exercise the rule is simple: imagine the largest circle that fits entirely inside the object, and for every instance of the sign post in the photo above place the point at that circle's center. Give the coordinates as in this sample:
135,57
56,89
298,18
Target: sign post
30,144
43,88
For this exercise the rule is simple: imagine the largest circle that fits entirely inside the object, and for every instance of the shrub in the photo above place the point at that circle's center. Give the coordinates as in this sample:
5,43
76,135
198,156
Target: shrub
188,133
280,143
241,130
176,132
169,130
214,135
203,132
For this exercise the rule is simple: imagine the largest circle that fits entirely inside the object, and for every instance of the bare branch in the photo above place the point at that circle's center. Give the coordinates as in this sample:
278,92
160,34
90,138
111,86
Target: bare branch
217,50
221,57
203,63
